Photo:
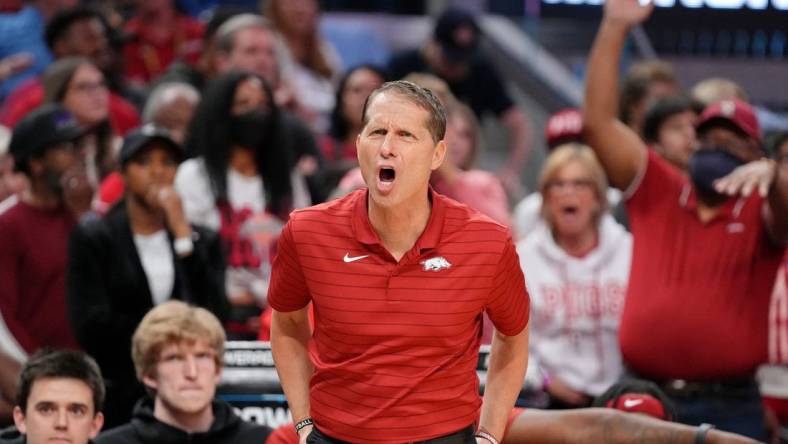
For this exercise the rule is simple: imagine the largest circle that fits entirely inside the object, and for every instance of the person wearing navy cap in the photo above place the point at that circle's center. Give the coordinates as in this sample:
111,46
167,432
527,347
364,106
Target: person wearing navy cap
144,252
34,230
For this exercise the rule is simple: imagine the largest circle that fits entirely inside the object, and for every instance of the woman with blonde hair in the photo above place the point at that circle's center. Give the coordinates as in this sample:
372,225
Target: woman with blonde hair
577,267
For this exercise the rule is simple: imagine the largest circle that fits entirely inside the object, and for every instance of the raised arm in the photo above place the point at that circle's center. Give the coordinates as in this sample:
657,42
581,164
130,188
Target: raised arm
289,338
606,426
618,148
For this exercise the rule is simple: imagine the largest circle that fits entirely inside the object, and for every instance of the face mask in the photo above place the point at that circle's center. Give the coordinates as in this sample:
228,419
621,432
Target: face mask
709,164
249,130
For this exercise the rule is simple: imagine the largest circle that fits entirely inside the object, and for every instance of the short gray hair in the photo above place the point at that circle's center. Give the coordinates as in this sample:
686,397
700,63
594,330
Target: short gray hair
422,97
165,94
225,35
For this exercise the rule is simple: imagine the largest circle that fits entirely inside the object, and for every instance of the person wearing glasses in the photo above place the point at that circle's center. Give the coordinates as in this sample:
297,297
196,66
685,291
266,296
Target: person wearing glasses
577,265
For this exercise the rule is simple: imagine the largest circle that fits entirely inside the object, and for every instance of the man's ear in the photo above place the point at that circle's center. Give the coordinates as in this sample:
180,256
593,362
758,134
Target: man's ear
218,378
439,155
96,424
150,382
19,420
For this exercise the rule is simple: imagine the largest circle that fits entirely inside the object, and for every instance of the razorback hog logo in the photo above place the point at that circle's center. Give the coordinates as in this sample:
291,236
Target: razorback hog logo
436,264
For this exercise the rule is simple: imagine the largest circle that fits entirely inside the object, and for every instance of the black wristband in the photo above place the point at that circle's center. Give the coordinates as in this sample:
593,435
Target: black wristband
303,423
700,434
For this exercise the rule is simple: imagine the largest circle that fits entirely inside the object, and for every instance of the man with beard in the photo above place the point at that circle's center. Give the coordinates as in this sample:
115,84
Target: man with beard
144,252
46,146
706,247
178,353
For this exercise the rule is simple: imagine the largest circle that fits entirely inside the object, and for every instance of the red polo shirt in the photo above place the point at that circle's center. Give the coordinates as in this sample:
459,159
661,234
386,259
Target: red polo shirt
395,345
698,298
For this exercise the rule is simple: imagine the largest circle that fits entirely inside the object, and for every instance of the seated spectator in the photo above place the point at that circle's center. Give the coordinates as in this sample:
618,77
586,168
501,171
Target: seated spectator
706,247
339,145
452,54
457,179
152,254
247,42
178,353
243,184
170,106
34,231
78,32
562,127
669,128
310,63
158,35
577,264
77,85
59,399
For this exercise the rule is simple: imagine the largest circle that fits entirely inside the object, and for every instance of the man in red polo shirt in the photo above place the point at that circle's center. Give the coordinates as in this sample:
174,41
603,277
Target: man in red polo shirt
399,277
706,247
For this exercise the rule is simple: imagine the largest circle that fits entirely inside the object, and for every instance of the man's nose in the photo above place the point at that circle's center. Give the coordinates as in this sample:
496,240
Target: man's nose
190,367
388,147
61,420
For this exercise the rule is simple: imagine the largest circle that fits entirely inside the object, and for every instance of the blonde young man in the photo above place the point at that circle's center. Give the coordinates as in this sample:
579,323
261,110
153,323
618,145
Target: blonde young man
177,352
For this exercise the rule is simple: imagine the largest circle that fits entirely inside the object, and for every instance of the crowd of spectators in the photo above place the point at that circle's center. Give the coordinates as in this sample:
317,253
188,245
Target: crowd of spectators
155,156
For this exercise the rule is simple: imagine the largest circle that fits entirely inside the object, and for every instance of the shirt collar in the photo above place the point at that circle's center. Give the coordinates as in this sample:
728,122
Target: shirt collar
364,233
730,209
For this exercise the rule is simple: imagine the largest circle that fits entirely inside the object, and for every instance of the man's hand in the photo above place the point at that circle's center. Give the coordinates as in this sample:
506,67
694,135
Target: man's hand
77,192
559,390
14,64
304,433
169,201
627,12
759,175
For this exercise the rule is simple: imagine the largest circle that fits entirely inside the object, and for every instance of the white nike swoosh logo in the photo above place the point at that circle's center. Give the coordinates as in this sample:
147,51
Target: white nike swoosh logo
629,403
353,259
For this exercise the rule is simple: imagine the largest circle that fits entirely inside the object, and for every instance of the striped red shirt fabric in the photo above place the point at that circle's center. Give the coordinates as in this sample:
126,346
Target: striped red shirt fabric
395,344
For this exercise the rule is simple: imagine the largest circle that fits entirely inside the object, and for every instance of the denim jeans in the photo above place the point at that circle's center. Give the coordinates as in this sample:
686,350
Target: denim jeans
742,414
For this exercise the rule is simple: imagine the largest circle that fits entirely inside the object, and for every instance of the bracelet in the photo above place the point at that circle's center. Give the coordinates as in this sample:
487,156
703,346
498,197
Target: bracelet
483,434
303,423
700,434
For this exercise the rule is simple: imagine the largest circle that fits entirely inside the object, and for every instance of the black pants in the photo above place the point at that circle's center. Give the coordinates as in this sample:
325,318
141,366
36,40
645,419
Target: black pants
464,436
